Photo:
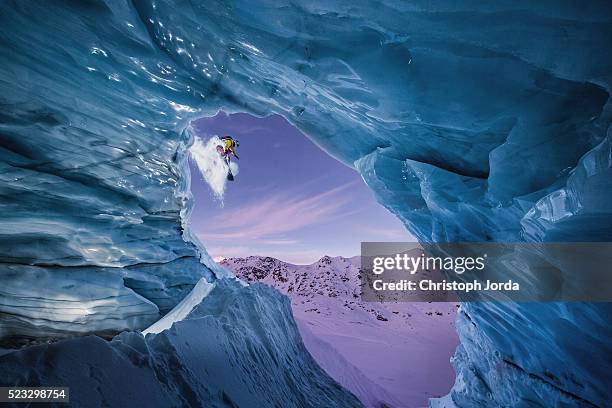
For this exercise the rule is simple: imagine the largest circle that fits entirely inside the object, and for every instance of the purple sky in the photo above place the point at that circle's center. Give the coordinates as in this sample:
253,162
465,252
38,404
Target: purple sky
290,200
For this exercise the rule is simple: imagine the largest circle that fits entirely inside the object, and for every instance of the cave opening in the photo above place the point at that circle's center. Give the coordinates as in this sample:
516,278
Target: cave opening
294,218
289,200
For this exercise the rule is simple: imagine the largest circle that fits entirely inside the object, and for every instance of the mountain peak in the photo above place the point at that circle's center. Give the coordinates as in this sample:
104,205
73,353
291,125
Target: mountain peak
326,259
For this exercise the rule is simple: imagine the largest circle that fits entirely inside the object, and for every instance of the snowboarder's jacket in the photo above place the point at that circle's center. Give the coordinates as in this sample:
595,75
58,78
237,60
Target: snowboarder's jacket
230,144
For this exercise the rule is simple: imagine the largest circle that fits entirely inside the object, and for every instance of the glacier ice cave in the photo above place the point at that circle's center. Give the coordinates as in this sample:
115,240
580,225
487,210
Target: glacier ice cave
471,121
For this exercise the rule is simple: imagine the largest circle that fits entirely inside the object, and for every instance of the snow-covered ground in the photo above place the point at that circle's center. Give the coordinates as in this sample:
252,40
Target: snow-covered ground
396,353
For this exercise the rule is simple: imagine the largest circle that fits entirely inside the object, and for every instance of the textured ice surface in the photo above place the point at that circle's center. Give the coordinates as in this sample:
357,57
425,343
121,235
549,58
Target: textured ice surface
238,348
470,120
182,310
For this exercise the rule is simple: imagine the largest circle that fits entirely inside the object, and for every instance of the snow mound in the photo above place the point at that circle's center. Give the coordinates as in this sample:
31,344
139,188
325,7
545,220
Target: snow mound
352,378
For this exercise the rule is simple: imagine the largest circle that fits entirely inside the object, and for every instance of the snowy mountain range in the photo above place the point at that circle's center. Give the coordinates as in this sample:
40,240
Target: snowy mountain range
387,354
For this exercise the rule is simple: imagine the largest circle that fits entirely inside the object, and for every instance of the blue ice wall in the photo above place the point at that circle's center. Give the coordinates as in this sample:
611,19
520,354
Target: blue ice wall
471,121
239,348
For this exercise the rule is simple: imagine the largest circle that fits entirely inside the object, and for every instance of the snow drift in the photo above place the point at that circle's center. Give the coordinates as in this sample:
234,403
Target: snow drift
472,121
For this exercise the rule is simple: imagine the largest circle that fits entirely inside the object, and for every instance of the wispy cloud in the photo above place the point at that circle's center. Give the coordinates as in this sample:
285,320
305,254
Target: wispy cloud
279,241
397,233
278,214
229,251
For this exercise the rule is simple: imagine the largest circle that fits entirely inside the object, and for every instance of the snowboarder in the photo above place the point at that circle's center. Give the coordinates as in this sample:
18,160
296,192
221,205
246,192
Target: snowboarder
228,148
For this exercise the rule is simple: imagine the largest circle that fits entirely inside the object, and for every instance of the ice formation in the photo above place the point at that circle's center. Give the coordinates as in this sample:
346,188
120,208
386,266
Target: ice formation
240,347
472,121
183,309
